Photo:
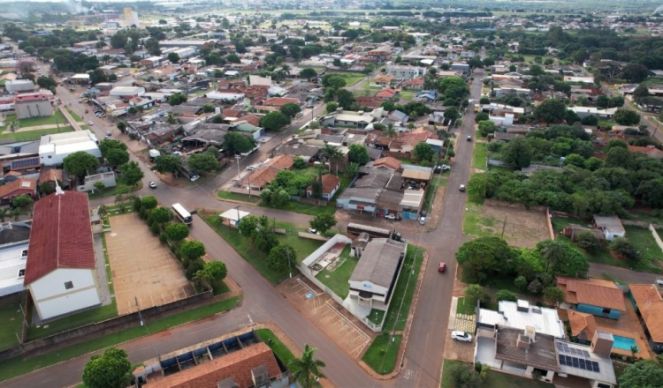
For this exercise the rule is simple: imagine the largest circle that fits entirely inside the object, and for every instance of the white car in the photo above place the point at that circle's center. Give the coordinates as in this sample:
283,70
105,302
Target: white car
390,217
461,188
422,220
461,336
312,230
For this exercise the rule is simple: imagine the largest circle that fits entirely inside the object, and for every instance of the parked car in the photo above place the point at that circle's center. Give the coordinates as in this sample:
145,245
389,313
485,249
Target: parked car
461,336
390,216
469,138
442,268
461,188
152,185
313,230
422,220
659,282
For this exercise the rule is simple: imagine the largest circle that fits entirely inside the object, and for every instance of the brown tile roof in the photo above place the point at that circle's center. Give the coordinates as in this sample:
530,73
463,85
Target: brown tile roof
266,173
595,292
386,93
383,78
61,236
251,119
329,183
50,175
370,101
18,187
581,323
236,365
647,150
389,162
650,304
280,101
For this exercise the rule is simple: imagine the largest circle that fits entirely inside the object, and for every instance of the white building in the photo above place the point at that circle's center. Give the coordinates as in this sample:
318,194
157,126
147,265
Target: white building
401,72
520,315
584,111
19,86
14,239
54,148
61,266
126,91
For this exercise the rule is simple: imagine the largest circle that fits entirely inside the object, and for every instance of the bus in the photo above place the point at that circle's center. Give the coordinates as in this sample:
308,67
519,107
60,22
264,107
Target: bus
182,213
372,231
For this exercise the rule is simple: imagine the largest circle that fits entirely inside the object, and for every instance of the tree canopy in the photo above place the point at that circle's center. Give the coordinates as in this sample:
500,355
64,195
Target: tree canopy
111,369
274,121
358,153
80,164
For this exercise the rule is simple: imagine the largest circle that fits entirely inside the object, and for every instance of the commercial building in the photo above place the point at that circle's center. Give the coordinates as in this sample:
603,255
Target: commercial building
19,86
14,239
54,148
61,266
28,105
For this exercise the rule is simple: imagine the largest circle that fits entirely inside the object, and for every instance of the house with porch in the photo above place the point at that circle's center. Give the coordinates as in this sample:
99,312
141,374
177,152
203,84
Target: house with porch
602,298
649,306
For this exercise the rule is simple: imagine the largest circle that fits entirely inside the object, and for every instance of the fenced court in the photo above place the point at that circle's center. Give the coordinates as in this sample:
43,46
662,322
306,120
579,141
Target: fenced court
145,273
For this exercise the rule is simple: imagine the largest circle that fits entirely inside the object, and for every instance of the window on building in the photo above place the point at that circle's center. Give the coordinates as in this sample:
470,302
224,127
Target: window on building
606,311
68,285
21,273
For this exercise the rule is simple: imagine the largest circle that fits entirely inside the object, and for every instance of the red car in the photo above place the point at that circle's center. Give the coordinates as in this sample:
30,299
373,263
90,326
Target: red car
442,268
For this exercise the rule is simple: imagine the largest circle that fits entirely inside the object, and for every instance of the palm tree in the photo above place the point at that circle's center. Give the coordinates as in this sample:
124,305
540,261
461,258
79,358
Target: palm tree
306,370
332,155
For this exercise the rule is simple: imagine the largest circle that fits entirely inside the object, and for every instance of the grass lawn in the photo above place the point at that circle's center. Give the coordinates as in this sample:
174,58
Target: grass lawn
113,191
431,191
350,78
247,249
404,291
32,135
644,242
382,354
476,225
238,197
293,206
56,118
97,314
337,280
464,308
376,316
480,155
407,95
18,366
10,324
493,379
280,350
74,115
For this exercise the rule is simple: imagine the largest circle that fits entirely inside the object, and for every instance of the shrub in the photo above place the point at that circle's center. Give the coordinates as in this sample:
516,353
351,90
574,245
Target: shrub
520,282
505,295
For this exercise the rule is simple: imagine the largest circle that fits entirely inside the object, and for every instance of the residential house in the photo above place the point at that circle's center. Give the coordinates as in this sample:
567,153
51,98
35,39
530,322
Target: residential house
348,119
383,79
265,174
28,105
14,240
15,188
602,298
397,117
126,92
61,266
403,72
247,129
585,111
387,93
649,304
370,102
611,226
373,280
520,315
329,185
417,174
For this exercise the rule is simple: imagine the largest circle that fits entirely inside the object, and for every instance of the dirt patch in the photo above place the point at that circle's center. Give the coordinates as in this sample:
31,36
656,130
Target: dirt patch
145,273
344,329
520,227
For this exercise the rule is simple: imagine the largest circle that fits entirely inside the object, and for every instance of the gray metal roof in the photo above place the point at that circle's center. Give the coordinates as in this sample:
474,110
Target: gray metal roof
379,262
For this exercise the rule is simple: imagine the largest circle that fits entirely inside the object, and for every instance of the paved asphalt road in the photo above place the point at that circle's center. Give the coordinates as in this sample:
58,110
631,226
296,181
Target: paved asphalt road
262,304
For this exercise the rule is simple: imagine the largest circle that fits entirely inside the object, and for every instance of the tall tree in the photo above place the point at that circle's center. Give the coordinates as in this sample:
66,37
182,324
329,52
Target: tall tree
80,164
307,370
517,153
111,369
358,154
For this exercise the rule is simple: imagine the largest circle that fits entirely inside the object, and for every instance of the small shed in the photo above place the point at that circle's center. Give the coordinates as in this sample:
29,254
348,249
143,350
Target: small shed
232,217
611,226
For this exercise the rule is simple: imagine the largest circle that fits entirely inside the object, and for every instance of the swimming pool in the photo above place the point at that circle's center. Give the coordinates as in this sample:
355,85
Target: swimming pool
623,343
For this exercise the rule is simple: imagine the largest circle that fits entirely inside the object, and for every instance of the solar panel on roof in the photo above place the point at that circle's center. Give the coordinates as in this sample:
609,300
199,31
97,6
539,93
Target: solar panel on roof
24,163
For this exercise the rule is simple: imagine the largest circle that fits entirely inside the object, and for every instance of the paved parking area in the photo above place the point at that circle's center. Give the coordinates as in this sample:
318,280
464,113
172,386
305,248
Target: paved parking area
325,313
145,273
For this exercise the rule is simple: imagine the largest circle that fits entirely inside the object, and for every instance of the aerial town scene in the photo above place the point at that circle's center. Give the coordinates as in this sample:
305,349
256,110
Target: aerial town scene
333,193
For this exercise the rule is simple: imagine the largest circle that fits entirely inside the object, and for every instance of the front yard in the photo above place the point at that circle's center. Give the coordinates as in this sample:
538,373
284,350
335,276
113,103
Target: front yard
337,279
258,259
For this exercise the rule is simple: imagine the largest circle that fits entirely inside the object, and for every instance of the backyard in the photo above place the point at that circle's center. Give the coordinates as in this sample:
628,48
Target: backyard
493,379
381,355
10,322
518,226
337,279
258,259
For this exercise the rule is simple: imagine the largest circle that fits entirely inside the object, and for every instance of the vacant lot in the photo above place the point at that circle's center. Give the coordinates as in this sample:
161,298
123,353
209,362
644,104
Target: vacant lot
145,274
519,227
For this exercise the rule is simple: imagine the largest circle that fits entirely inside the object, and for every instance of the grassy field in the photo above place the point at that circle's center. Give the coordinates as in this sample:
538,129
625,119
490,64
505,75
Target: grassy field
474,224
97,314
382,355
280,350
493,379
407,95
480,156
31,135
644,242
293,206
431,191
18,366
350,78
247,249
56,118
337,280
10,324
464,308
238,197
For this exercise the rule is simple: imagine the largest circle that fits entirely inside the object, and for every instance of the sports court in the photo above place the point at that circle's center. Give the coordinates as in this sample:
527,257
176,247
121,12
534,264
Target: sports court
345,330
145,273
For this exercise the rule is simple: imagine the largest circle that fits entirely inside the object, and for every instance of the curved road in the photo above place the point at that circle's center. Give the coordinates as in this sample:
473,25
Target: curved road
261,303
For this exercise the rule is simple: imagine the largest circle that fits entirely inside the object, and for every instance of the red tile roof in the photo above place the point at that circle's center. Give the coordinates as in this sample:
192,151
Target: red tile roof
389,162
650,304
61,236
370,101
595,292
386,93
50,175
329,183
236,365
18,187
267,172
280,101
28,97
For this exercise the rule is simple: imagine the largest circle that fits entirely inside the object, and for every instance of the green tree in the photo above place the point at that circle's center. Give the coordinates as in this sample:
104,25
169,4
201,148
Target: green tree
486,127
280,257
22,202
553,295
475,293
333,81
560,258
307,370
481,116
345,99
626,117
130,173
152,46
423,152
308,73
505,295
203,162
173,57
176,232
451,114
476,187
46,82
111,369
159,215
148,202
463,376
331,106
358,153
517,153
550,111
485,257
651,192
248,226
116,157
274,121
80,164
290,110
177,99
625,249
323,222
642,374
588,242
167,163
232,58
236,143
212,273
107,145
190,250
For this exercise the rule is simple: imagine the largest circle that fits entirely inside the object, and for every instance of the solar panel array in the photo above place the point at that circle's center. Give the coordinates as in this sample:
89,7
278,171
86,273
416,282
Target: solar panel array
563,347
24,163
579,363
